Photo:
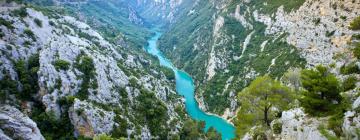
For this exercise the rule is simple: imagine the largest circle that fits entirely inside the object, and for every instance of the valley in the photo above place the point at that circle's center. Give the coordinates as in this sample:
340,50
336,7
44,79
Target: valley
180,69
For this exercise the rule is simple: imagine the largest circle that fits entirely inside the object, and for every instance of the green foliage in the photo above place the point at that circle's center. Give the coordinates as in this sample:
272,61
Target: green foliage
355,24
7,87
169,73
16,1
20,12
351,68
102,137
27,74
277,127
192,130
30,34
356,50
349,83
259,133
51,127
133,82
115,24
6,23
1,34
322,89
212,134
317,21
119,131
85,64
61,65
273,5
325,133
356,37
66,101
38,22
329,34
257,100
152,112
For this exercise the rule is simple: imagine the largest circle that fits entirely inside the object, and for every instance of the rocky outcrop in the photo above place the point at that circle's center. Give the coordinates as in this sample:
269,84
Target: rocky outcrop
16,125
297,125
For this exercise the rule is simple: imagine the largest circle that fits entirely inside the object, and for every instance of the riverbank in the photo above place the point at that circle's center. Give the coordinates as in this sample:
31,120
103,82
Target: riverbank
185,86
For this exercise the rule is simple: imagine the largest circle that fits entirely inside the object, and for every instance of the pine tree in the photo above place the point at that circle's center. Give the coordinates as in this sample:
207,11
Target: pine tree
322,90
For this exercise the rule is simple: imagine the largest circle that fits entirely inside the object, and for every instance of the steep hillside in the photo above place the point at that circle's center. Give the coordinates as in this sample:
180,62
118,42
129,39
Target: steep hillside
68,78
226,44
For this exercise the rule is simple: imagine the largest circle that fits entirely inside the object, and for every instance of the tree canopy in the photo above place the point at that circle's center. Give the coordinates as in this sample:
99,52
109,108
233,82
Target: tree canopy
322,90
260,103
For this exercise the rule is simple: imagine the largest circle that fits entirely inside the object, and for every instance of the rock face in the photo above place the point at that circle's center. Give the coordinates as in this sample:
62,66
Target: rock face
74,59
16,125
296,125
324,34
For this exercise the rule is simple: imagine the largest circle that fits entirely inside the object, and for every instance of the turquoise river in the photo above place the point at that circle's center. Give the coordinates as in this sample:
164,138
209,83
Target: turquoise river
185,87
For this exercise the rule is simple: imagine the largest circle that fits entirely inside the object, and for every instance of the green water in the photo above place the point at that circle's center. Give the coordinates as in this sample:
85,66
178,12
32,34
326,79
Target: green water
185,87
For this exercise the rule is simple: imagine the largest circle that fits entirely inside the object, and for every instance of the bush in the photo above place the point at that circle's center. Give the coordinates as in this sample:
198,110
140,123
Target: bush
20,12
16,1
1,34
61,65
355,24
5,23
7,87
30,34
169,73
85,64
50,126
349,83
277,127
27,74
38,22
352,68
119,131
356,50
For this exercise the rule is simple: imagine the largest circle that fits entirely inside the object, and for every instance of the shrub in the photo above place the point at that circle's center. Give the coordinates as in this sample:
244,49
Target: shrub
329,34
61,65
102,137
119,131
1,34
169,73
355,24
38,22
50,126
277,127
6,23
317,21
335,123
30,34
352,68
349,83
16,1
20,12
27,74
85,64
356,50
7,87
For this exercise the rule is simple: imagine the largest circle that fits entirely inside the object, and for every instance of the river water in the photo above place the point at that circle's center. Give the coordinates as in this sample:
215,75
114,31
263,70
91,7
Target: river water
185,87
